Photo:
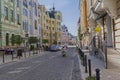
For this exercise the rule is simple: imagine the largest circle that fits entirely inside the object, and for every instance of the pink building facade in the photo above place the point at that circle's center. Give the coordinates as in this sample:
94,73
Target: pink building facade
65,35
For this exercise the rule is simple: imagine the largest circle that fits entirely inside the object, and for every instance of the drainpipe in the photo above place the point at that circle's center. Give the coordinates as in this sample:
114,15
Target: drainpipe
85,13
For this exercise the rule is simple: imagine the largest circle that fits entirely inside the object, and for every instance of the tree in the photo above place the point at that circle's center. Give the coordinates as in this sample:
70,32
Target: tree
32,40
16,39
12,40
45,41
79,33
55,42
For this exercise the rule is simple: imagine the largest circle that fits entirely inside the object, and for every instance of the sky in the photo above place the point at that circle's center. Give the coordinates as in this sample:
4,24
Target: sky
69,10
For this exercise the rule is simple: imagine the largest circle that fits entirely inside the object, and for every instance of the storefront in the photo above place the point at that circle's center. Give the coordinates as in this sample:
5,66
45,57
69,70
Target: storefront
117,27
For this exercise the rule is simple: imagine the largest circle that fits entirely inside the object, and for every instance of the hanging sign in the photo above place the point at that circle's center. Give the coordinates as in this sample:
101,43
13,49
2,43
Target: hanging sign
97,29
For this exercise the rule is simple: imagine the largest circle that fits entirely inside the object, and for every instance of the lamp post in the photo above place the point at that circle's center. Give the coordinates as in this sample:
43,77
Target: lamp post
0,38
26,39
26,42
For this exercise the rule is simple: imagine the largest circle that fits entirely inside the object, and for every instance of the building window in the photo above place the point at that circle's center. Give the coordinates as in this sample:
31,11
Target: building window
46,27
53,28
30,14
47,34
30,3
18,19
91,2
39,14
31,29
35,9
25,3
35,24
25,13
11,15
59,29
53,22
7,39
17,2
12,40
6,12
11,1
58,17
25,25
39,21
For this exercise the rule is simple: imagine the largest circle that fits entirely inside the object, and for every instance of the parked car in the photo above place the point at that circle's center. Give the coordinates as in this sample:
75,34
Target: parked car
59,48
54,48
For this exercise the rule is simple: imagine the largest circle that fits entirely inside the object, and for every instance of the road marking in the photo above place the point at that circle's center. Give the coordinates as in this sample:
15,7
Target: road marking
17,71
37,62
52,57
23,68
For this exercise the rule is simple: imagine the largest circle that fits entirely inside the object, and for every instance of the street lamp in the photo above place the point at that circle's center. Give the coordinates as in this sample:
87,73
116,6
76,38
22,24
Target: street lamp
26,43
0,39
26,39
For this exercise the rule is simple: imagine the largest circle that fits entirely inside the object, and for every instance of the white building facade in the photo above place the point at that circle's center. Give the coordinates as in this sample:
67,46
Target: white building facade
30,18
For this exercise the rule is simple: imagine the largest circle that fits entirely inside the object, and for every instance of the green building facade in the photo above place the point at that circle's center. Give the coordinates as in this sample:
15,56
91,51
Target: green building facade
10,21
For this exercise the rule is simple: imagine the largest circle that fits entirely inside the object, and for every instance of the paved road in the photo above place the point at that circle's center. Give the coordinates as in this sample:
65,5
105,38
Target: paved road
50,66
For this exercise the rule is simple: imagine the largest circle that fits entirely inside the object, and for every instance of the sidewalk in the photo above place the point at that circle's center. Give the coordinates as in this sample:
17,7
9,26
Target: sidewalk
8,58
105,74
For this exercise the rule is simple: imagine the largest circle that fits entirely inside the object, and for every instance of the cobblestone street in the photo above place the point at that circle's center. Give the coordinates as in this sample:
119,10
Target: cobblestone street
48,66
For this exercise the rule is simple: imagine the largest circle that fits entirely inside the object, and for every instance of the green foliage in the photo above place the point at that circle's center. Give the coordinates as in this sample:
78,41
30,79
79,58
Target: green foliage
12,40
31,47
91,78
16,39
32,40
81,58
55,42
45,41
79,34
59,43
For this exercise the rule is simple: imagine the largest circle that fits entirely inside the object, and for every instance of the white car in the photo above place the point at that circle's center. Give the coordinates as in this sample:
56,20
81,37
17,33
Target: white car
59,47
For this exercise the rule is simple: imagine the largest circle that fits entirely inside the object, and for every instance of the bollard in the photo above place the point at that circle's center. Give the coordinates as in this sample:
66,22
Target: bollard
25,54
79,51
39,50
97,74
83,58
89,64
30,53
85,64
3,56
12,55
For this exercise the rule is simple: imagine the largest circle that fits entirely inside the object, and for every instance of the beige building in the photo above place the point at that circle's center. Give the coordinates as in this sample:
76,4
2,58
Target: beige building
50,24
103,17
84,23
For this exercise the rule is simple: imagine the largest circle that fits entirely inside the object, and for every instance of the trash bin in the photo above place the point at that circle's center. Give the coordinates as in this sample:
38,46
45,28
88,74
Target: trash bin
19,52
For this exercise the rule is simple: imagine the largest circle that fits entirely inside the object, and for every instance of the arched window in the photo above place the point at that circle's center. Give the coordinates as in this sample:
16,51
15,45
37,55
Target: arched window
25,3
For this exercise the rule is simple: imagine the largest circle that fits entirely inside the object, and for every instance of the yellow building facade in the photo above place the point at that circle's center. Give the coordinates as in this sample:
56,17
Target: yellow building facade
50,25
84,23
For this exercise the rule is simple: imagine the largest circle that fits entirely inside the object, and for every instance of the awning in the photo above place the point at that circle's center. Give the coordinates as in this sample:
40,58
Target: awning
100,16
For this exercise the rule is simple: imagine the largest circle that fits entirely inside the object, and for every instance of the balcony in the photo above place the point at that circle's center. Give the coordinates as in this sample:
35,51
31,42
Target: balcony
103,6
